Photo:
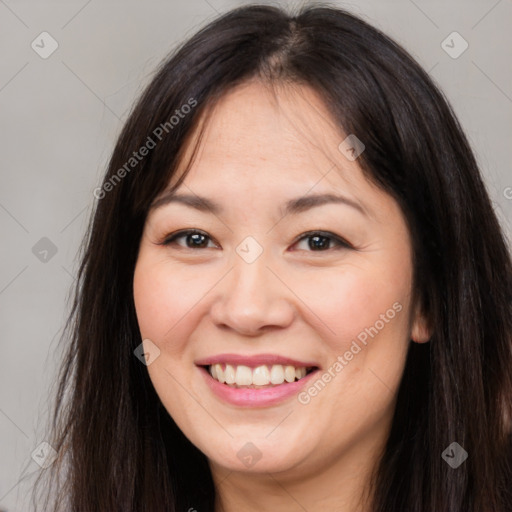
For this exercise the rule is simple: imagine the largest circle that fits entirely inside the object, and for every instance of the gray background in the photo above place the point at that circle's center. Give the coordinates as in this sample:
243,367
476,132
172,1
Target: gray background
59,120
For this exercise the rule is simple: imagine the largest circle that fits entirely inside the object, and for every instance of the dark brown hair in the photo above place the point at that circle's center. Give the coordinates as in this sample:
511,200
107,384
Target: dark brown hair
119,450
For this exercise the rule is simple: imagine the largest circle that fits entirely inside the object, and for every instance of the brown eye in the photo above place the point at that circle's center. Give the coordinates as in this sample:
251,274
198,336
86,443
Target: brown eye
322,241
194,239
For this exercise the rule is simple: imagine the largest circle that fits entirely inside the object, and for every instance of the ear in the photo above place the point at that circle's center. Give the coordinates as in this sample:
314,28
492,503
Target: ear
421,330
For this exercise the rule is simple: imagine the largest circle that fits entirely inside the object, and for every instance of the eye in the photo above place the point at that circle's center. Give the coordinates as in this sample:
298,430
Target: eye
194,239
318,241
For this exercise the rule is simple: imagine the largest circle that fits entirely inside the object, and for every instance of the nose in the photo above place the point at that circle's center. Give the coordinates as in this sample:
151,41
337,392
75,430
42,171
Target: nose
253,299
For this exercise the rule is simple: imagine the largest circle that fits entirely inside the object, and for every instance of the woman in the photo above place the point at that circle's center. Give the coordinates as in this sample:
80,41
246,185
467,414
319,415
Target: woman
294,294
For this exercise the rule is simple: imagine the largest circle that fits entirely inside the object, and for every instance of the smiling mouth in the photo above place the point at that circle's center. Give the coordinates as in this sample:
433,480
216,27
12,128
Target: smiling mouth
264,376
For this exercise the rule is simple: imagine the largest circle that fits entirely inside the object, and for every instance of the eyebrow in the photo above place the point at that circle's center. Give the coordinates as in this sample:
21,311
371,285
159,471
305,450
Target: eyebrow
292,206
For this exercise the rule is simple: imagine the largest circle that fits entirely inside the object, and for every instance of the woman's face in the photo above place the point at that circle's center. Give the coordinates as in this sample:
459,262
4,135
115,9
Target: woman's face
260,300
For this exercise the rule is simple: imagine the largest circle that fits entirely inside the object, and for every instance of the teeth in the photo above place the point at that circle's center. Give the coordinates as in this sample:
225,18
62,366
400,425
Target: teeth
243,376
260,376
263,375
289,373
219,373
229,374
277,374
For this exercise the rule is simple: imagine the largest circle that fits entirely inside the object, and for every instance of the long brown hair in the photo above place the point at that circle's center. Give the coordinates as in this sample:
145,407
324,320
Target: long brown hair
119,450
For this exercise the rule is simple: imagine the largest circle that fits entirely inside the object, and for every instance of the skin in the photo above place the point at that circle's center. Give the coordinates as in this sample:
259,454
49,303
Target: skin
259,150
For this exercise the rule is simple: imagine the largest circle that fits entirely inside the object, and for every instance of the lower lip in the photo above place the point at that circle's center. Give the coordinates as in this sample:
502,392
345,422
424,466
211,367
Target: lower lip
253,397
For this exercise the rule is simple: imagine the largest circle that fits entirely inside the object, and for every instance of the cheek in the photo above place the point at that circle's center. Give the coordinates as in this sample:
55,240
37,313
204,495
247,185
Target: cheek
350,301
152,300
164,301
365,311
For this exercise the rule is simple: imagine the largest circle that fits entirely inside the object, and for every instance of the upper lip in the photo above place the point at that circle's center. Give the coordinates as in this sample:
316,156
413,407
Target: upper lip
254,360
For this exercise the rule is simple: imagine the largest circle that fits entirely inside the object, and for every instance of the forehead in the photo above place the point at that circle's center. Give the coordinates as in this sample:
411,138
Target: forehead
257,135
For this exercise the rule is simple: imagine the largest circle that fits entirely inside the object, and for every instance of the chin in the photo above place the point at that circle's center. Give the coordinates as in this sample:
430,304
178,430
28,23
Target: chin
256,455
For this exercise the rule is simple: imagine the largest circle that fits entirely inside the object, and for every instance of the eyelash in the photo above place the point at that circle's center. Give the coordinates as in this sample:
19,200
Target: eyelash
341,243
